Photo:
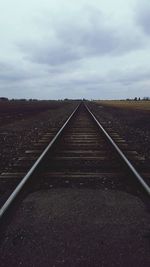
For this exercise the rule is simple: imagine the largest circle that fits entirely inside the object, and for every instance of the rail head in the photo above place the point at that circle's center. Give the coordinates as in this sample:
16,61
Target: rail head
121,154
19,187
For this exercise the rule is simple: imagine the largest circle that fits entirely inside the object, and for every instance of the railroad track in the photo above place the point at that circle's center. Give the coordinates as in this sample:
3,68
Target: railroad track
81,154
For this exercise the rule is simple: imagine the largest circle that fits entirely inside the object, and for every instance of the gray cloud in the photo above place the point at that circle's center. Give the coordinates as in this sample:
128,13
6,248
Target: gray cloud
143,15
91,37
56,55
130,77
73,41
76,50
11,73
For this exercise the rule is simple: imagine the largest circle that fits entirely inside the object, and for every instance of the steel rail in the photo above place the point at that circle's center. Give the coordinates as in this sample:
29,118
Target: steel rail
121,154
19,187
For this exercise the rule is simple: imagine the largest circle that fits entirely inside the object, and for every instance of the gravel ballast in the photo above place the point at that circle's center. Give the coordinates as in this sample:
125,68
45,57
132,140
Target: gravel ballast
78,227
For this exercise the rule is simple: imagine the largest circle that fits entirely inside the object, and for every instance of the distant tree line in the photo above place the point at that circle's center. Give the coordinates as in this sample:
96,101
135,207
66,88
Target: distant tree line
13,99
4,99
145,98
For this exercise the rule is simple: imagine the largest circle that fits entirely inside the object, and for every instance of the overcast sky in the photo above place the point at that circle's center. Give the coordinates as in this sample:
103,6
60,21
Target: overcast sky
97,49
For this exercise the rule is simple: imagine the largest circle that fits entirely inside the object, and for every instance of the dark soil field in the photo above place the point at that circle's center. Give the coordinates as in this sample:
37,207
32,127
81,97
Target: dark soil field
131,121
11,111
22,123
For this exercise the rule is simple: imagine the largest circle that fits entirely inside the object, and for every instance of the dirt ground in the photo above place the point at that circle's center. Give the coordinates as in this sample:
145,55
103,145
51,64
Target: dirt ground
22,124
14,110
78,228
132,124
127,104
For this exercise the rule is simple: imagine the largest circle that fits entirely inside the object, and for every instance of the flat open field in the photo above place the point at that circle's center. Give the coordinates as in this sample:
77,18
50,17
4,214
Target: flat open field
22,123
11,111
130,119
136,105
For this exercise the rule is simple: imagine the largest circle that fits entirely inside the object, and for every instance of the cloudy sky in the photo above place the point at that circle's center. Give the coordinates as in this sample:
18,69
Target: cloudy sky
52,49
